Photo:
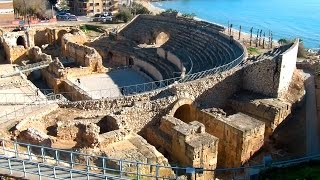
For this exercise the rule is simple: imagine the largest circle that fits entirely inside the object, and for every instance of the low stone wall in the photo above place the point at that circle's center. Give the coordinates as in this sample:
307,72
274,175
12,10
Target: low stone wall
85,134
83,55
75,93
149,69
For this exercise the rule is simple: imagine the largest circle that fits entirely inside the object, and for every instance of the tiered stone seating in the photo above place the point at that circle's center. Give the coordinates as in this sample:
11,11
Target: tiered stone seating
200,42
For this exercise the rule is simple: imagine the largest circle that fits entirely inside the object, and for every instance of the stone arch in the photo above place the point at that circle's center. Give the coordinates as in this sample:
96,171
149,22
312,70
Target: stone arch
161,38
184,110
107,124
21,41
60,35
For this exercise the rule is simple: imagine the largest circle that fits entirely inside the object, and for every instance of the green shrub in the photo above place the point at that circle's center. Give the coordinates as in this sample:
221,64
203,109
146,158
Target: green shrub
188,15
124,15
139,9
302,52
170,11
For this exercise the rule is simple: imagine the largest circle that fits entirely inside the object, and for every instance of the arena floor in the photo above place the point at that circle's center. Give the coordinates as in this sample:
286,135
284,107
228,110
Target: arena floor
108,85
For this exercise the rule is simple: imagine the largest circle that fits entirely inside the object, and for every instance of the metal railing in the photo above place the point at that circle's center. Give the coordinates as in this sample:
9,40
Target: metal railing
87,163
150,86
49,171
28,106
105,167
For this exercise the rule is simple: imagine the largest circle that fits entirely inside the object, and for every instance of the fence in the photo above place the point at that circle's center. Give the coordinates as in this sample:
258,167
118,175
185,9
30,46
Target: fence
21,109
73,164
86,163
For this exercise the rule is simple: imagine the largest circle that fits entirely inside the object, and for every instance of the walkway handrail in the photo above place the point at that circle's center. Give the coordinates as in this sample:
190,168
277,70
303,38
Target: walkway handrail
55,175
61,157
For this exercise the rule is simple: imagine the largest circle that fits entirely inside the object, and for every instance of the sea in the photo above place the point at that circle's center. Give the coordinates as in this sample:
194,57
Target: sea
284,18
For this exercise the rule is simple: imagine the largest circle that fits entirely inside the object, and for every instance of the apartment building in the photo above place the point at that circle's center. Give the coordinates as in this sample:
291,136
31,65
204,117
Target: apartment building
6,11
91,7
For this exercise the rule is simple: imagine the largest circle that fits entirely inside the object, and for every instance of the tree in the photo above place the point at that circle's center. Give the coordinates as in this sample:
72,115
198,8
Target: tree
139,9
124,15
283,41
30,7
64,6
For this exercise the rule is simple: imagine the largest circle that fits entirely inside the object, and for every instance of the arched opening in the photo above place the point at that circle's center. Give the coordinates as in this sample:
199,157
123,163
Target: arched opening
161,38
21,41
131,63
60,35
107,124
184,113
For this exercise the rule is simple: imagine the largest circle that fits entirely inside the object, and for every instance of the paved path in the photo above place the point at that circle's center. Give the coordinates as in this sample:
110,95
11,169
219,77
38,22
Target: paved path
46,171
312,134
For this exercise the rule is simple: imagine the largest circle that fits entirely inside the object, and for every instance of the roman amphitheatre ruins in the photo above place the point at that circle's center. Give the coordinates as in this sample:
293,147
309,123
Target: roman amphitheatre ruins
152,100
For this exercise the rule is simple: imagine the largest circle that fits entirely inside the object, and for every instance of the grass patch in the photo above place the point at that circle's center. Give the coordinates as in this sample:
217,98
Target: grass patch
87,28
303,171
253,51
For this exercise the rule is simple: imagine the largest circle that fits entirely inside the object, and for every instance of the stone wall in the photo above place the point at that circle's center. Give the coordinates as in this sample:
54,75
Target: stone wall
188,144
148,68
75,93
288,65
240,136
85,134
16,45
271,76
269,110
83,55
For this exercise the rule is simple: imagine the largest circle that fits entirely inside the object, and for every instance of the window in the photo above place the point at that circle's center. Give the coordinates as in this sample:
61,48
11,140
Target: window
91,4
98,10
97,4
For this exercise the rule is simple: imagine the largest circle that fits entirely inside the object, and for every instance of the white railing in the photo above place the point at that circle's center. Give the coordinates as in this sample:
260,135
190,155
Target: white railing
42,157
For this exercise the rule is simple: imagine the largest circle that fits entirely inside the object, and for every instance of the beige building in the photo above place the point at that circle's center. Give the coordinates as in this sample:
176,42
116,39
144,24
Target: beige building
6,11
92,7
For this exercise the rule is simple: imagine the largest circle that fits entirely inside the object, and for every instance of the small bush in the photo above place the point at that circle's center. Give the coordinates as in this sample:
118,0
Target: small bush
171,11
139,9
124,15
189,15
302,52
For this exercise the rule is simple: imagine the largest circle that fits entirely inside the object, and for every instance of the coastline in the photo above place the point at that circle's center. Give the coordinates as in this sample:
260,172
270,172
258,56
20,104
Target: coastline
147,4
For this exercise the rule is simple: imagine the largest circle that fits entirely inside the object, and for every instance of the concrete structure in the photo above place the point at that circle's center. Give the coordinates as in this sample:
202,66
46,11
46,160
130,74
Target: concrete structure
92,7
6,11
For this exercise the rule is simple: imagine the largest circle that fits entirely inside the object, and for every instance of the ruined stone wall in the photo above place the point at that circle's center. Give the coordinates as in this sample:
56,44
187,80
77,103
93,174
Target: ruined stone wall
188,144
175,60
83,55
236,145
148,68
288,65
75,93
272,76
41,37
15,52
263,77
85,134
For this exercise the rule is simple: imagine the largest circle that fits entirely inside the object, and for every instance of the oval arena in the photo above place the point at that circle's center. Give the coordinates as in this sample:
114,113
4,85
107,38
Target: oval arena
158,95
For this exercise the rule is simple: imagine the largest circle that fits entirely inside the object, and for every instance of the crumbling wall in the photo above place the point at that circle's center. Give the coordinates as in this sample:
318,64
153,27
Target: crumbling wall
272,76
86,134
188,144
16,45
83,55
263,77
269,110
240,136
288,65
